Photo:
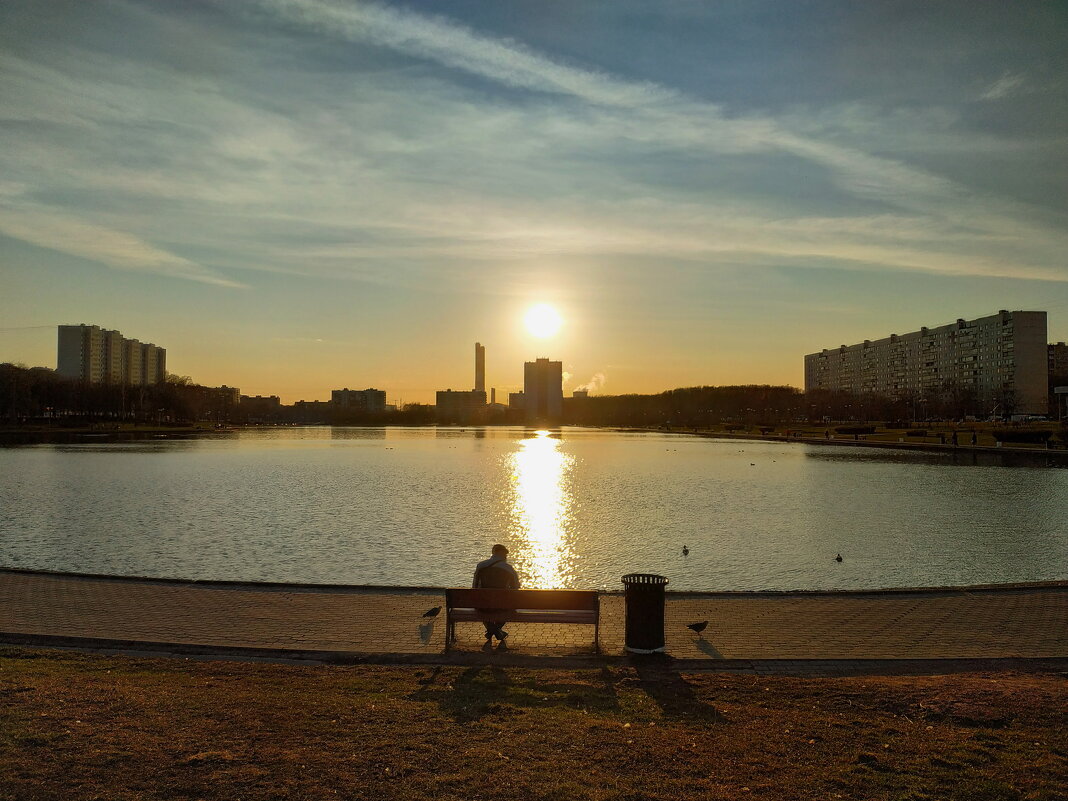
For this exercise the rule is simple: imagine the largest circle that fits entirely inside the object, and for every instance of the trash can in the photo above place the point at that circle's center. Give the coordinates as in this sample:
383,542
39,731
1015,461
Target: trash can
644,594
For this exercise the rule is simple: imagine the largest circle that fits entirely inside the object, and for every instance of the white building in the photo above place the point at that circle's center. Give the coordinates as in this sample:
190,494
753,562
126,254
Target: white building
1001,360
98,356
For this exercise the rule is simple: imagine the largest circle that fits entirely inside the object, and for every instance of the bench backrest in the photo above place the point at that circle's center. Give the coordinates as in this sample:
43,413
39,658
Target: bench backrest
522,599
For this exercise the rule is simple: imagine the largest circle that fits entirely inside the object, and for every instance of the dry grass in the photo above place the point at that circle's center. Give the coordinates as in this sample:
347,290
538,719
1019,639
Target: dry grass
78,726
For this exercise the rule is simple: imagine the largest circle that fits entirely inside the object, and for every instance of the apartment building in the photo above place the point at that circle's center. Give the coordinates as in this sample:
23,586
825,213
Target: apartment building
460,407
362,400
543,391
99,356
1001,360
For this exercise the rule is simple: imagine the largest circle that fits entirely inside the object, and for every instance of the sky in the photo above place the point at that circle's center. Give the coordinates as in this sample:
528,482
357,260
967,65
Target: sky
294,196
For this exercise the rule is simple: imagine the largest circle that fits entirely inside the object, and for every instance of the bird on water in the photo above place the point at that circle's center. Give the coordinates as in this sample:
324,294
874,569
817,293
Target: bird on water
685,550
838,558
432,612
697,628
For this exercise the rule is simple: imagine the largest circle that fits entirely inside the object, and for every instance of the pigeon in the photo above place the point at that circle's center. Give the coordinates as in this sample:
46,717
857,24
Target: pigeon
697,628
685,551
838,558
432,612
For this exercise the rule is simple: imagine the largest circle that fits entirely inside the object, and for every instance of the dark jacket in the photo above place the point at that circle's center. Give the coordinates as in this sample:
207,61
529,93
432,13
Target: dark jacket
495,573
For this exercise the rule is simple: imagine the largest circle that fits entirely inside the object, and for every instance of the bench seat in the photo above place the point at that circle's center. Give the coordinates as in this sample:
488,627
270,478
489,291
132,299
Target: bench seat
522,606
462,615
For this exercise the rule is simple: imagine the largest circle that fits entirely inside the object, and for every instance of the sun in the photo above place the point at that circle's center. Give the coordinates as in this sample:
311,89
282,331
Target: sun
543,320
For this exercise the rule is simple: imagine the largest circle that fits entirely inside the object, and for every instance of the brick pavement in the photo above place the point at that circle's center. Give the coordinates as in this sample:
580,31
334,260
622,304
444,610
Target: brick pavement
1022,622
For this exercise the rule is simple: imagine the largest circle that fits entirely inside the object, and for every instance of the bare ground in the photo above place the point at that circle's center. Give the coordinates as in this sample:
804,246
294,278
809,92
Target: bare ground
78,726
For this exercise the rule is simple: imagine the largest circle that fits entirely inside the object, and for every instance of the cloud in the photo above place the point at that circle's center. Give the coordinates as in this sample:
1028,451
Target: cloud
117,249
305,340
1003,87
404,171
658,117
459,47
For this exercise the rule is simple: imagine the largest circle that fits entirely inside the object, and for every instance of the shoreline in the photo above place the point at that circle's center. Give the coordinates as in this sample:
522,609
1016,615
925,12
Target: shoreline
289,586
840,441
15,437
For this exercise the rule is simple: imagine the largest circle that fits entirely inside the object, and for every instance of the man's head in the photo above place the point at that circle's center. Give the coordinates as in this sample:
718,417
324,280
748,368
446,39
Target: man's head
500,550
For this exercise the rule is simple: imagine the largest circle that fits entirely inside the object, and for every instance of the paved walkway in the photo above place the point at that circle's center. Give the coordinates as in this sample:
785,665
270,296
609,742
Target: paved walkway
1028,622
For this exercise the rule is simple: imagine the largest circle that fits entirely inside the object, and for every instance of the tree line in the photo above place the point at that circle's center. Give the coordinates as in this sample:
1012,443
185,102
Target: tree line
36,394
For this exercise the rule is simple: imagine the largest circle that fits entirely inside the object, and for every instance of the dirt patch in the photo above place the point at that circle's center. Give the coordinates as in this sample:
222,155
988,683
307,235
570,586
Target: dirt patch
79,726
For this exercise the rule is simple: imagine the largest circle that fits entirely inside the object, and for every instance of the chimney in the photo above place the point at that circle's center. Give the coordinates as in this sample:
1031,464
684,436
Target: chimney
480,368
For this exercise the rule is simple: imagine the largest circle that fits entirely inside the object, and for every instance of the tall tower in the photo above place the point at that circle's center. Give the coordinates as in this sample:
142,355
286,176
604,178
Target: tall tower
480,368
543,391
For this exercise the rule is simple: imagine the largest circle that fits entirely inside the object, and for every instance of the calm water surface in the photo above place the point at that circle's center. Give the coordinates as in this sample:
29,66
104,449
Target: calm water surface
578,508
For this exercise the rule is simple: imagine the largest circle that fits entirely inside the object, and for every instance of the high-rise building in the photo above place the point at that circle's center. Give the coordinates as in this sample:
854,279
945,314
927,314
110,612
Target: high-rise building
135,364
543,391
999,361
153,364
480,367
98,356
1058,361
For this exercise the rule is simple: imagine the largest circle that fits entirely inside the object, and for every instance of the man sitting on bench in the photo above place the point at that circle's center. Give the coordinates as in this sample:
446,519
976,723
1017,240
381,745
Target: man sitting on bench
495,573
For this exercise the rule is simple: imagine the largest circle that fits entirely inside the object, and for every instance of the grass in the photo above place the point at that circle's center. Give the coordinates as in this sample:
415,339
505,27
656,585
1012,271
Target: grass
75,726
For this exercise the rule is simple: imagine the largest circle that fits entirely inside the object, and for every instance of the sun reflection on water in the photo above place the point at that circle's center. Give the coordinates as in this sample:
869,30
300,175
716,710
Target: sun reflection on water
541,511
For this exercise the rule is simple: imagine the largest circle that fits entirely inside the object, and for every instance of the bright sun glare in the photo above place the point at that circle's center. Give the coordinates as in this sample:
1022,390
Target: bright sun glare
543,320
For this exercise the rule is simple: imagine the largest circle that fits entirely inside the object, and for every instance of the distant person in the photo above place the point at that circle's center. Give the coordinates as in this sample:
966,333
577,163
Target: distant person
495,573
974,438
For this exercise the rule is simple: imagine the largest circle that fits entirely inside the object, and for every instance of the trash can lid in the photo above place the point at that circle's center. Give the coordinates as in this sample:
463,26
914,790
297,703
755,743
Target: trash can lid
643,578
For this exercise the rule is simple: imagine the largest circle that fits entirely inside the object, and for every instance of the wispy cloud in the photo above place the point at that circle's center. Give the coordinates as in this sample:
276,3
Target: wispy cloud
123,251
460,47
1004,86
415,175
670,119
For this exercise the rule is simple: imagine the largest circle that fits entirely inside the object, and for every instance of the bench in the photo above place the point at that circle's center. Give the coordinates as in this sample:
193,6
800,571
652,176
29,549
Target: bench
522,606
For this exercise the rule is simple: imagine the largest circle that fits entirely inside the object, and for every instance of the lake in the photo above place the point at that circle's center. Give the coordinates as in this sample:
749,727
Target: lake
577,507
